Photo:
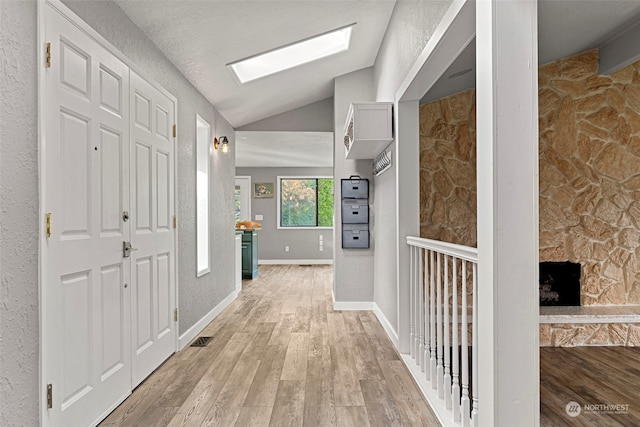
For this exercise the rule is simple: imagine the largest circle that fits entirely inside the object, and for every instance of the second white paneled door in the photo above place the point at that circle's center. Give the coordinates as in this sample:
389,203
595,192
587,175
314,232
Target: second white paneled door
152,263
107,175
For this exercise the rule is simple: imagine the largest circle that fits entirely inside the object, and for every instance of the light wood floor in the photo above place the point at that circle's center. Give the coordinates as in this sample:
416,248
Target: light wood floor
280,356
589,376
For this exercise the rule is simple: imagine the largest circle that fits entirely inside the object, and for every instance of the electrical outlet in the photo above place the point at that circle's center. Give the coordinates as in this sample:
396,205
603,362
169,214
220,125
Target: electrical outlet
286,248
259,217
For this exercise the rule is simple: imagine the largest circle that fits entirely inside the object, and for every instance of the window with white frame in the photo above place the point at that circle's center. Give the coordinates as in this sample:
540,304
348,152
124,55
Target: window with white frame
305,202
203,159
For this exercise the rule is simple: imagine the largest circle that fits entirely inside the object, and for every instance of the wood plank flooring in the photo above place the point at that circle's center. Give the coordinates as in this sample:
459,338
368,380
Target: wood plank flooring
590,376
280,356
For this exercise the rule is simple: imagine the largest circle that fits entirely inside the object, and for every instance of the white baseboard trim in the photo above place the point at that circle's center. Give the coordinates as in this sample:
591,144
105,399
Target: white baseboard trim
193,331
295,261
391,333
351,305
430,394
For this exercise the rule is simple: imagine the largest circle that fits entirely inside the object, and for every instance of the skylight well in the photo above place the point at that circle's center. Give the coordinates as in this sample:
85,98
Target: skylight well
293,55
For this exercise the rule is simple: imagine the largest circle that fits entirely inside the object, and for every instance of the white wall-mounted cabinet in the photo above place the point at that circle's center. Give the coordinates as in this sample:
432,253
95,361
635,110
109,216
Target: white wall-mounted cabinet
368,129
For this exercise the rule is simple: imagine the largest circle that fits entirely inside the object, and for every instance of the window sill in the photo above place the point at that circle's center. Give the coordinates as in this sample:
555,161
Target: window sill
304,228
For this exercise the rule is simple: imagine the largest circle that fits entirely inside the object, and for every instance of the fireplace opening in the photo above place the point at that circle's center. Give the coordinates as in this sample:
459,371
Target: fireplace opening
559,283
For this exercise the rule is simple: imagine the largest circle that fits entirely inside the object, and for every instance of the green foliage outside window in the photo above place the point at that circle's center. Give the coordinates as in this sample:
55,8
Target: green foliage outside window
325,202
238,199
306,202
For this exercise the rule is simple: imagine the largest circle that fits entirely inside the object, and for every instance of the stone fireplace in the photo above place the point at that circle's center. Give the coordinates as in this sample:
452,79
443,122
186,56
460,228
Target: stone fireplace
559,283
589,184
589,205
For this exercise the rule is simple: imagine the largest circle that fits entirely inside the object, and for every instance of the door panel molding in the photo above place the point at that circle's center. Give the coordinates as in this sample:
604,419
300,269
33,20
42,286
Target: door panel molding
92,92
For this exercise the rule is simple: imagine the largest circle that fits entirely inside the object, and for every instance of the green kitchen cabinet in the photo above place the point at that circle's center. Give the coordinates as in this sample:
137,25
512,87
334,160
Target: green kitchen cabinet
249,254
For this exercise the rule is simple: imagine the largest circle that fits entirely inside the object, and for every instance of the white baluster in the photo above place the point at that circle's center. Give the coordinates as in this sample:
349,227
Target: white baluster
432,324
425,355
420,319
411,300
416,312
464,401
439,344
474,347
416,309
455,389
447,344
443,333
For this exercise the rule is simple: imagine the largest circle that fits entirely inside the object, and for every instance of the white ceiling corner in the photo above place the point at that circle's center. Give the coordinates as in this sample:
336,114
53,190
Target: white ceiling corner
565,28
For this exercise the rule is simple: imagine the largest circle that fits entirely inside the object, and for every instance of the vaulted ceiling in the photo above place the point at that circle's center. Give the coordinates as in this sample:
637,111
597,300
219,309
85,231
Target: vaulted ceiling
202,37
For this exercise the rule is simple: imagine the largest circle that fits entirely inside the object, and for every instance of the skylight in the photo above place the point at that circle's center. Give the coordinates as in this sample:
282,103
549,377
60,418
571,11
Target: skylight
293,55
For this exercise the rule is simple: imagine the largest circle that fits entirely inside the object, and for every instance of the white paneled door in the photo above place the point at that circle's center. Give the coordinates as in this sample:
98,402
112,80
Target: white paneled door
152,261
107,180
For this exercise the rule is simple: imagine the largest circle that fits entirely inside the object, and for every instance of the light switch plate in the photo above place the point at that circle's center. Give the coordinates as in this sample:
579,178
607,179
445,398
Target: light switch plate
259,217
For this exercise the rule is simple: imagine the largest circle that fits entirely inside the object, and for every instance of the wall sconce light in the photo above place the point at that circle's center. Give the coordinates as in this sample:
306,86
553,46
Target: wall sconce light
225,144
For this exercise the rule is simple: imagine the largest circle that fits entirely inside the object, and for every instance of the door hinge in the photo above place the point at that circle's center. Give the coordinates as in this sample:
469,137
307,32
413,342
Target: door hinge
49,396
175,131
175,314
48,225
47,57
175,221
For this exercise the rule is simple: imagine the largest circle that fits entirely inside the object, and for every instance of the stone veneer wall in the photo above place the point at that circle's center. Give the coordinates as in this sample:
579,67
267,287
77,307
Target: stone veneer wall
585,334
448,169
589,183
590,175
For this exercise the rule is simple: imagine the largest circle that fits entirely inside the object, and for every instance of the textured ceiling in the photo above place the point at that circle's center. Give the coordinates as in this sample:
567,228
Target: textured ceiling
201,37
284,149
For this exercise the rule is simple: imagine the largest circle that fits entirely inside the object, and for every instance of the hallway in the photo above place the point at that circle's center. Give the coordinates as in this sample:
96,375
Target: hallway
280,356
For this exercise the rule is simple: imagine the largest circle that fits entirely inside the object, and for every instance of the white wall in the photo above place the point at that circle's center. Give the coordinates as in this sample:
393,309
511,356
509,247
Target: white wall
19,311
385,294
353,268
410,28
18,215
303,243
371,275
316,117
